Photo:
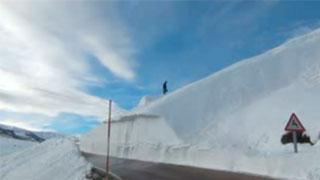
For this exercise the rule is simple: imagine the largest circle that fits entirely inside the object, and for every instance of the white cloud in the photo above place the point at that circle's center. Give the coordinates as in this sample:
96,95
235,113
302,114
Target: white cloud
110,58
43,50
28,125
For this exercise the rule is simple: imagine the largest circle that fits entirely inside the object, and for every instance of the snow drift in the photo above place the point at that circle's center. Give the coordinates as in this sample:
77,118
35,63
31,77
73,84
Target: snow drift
56,159
13,139
234,119
11,145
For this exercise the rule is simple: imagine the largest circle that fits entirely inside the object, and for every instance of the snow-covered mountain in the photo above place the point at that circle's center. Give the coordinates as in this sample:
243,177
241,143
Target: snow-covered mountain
23,134
233,119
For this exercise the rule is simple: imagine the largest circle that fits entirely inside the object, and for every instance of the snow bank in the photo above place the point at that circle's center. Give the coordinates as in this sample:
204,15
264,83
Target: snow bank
234,119
294,66
10,145
128,132
304,165
56,159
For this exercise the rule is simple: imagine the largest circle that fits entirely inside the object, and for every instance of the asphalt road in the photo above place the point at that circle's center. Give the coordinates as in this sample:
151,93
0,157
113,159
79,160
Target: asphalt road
142,170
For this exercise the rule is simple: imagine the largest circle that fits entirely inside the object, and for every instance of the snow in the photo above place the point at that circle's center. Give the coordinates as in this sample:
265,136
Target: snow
232,120
27,134
147,100
56,159
13,139
10,145
130,131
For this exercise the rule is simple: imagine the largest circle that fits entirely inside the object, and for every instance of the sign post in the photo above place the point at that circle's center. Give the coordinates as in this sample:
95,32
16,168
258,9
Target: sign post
295,142
108,141
294,125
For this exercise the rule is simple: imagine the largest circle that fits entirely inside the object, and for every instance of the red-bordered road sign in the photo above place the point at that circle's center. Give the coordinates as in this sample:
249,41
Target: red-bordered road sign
294,124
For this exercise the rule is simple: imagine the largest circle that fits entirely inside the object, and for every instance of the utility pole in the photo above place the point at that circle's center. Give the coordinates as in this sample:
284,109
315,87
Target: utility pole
108,142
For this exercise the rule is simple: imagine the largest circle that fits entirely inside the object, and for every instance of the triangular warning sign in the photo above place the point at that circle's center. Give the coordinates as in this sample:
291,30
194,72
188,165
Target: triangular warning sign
294,124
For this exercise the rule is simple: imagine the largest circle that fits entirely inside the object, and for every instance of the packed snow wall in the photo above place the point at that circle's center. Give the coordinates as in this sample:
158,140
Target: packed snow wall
293,68
130,132
234,119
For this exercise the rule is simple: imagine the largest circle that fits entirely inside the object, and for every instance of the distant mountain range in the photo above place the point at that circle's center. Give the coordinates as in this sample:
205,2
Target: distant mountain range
22,134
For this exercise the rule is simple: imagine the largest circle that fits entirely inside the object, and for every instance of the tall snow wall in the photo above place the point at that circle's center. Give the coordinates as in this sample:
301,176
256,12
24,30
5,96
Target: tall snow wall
232,120
130,132
203,104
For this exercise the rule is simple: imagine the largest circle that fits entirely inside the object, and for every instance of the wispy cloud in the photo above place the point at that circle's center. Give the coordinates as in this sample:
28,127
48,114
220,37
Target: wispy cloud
28,125
43,50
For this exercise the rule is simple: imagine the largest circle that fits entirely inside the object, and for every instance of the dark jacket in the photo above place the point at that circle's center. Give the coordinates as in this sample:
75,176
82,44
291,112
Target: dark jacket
164,87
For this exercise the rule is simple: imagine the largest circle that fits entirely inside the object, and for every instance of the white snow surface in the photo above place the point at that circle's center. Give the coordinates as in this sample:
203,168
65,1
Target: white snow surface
147,100
232,120
10,145
55,159
131,131
22,132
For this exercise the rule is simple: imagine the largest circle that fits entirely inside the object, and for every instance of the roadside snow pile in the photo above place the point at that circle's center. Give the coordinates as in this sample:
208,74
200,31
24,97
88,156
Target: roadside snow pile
131,131
234,119
10,145
56,159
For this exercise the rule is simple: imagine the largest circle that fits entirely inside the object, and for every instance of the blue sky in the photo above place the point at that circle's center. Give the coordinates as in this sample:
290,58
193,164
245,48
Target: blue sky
184,42
61,60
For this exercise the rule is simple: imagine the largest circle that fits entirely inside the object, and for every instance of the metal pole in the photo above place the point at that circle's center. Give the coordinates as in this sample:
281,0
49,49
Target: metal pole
294,134
108,141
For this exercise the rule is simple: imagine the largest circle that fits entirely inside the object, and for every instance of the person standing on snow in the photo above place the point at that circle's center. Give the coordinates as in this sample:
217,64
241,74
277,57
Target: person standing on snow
164,88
